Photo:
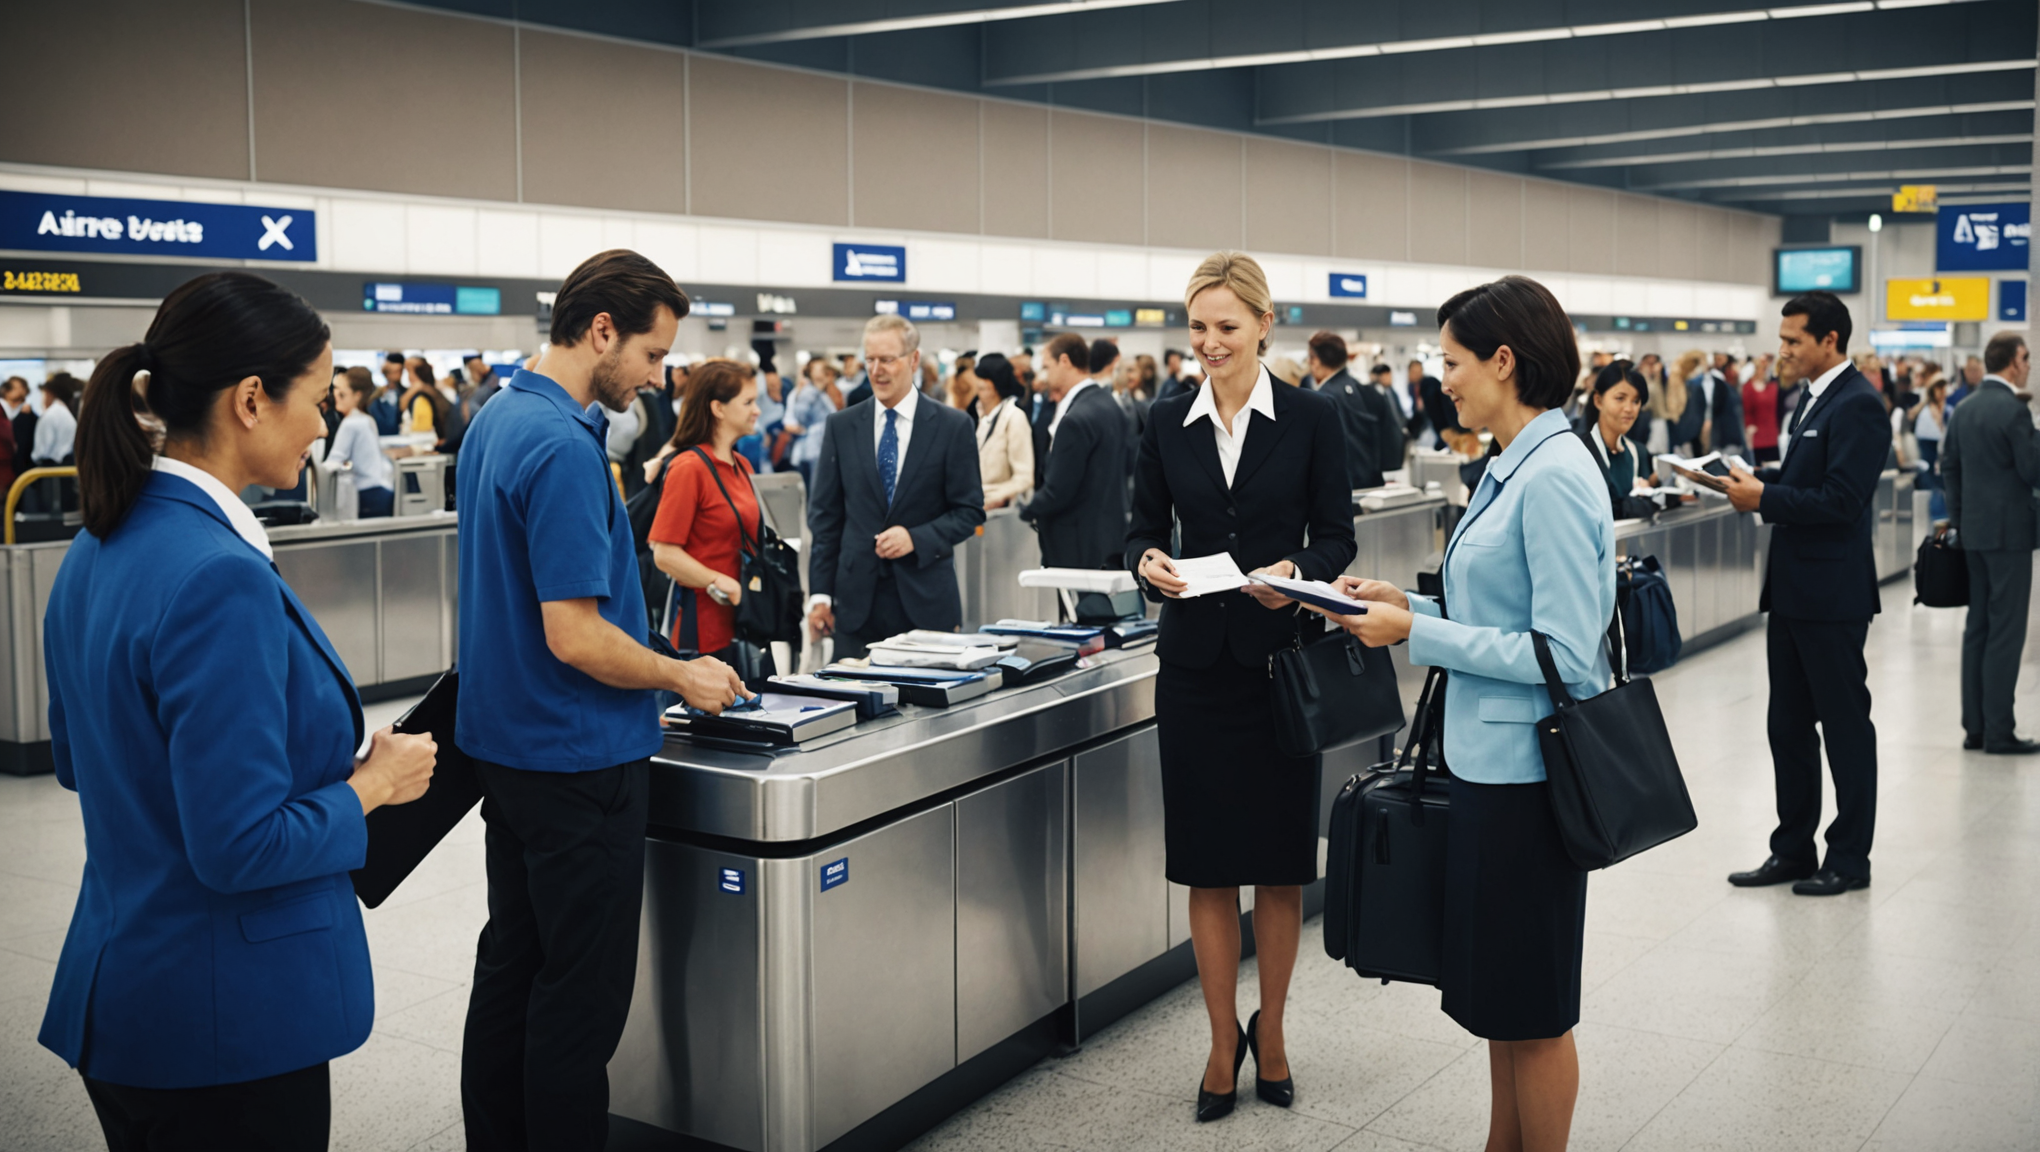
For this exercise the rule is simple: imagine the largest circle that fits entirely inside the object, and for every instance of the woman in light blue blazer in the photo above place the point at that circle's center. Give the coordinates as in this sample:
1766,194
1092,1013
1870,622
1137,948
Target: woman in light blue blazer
1535,551
216,960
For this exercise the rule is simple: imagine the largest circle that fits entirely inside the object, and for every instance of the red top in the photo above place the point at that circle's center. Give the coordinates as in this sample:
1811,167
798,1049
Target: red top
693,515
1760,411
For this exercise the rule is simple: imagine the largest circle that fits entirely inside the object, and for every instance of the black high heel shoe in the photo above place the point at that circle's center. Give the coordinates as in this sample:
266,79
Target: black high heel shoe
1281,1093
1218,1105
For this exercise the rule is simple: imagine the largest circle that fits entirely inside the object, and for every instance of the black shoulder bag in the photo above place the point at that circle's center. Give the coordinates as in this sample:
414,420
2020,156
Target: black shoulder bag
1615,782
1331,691
769,575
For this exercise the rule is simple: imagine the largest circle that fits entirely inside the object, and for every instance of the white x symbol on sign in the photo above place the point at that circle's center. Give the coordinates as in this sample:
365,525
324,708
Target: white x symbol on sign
272,233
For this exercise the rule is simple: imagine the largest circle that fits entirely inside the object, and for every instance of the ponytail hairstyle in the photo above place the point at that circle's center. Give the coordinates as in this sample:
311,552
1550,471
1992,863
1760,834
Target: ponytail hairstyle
210,334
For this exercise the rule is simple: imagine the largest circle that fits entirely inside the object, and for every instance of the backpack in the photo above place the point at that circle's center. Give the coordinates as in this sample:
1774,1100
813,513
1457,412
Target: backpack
643,508
1650,619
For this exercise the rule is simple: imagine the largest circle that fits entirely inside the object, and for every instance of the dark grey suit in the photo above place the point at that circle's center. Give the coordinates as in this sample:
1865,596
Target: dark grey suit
1080,507
1373,425
1990,463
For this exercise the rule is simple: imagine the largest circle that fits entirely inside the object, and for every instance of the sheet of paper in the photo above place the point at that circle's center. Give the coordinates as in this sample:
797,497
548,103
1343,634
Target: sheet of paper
1206,574
1314,592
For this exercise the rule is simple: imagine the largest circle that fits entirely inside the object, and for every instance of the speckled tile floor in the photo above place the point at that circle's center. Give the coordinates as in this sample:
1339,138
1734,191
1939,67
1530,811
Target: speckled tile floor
1902,1018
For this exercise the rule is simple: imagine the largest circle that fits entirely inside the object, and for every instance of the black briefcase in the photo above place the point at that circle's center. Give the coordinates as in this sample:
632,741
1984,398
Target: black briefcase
1385,872
400,836
1941,572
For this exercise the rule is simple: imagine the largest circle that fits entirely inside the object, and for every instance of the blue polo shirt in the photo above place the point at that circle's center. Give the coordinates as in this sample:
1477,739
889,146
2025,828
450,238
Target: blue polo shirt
540,520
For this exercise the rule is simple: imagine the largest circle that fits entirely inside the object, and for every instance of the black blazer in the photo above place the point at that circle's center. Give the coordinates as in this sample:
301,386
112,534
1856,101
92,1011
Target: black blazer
24,438
938,497
1040,411
1288,501
1080,506
1374,433
1990,462
1439,410
1822,506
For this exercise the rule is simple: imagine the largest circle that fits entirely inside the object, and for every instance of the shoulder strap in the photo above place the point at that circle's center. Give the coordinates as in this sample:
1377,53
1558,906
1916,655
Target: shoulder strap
742,536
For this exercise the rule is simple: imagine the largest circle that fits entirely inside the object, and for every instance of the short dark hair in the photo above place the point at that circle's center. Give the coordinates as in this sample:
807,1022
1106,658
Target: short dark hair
1168,352
622,283
1825,313
2002,350
393,358
1067,344
1523,314
1329,348
1103,353
1381,370
1417,364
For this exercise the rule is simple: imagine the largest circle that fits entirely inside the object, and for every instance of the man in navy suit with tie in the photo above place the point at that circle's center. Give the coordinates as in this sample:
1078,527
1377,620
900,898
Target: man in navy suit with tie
1820,587
895,490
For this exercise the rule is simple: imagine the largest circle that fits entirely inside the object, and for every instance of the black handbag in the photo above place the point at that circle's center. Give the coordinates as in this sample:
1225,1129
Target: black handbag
1941,572
1615,782
1331,691
1385,866
769,575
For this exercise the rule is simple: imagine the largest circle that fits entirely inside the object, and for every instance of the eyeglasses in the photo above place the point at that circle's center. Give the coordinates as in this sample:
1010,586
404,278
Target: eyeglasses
884,361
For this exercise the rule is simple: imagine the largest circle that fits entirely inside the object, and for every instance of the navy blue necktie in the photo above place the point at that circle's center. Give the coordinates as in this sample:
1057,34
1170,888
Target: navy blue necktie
889,454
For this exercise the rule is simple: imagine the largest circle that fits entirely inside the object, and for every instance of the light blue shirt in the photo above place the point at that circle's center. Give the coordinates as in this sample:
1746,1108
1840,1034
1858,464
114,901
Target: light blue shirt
1536,550
810,408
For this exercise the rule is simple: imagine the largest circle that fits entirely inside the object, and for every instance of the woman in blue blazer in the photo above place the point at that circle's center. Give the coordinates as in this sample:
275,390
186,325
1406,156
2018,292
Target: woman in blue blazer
1535,551
216,960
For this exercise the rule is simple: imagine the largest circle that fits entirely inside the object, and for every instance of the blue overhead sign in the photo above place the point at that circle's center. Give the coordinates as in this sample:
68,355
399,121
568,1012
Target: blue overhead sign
2012,300
1348,285
870,262
1984,237
431,299
46,222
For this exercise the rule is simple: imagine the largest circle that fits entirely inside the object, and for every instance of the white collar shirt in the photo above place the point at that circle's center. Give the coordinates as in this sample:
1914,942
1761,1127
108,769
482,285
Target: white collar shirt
1231,440
1062,406
903,425
1994,378
239,516
1813,393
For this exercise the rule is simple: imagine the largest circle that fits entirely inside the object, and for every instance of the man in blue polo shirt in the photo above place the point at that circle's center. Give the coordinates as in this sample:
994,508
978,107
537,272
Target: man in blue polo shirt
558,711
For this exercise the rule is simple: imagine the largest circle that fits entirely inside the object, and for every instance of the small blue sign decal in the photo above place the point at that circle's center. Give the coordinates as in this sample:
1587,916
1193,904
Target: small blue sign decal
835,873
732,881
871,262
1349,285
2012,300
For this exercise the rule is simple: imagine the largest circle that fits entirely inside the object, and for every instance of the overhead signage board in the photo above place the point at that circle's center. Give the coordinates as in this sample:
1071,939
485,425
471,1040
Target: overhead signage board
712,309
1796,270
870,262
1983,237
431,299
1349,285
919,311
48,222
30,281
1150,317
1402,319
2012,301
1033,311
1914,198
1946,298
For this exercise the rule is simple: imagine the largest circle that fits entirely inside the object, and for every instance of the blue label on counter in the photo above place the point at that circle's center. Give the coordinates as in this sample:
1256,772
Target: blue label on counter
732,881
836,873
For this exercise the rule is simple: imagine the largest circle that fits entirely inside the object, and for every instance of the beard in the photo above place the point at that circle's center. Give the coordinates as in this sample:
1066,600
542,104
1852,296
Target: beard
610,384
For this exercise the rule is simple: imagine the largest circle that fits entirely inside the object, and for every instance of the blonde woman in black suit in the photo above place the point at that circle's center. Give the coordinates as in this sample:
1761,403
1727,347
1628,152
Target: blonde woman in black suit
1254,470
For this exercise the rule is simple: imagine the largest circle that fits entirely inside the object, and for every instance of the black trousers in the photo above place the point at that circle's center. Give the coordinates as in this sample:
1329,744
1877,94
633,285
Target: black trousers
558,958
1994,641
288,1113
888,618
1818,677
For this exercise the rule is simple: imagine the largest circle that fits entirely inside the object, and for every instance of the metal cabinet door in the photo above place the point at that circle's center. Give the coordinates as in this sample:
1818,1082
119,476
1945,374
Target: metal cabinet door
1121,895
413,606
1012,907
884,979
337,583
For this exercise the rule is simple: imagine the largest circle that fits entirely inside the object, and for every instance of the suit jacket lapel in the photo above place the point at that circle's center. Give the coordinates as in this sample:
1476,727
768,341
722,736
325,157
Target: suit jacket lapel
916,457
1204,445
862,454
1263,436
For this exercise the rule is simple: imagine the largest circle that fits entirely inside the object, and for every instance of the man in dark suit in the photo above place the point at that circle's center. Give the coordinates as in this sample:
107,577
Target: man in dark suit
895,490
1080,507
1040,412
1374,435
1820,587
1713,421
21,422
1438,409
1990,462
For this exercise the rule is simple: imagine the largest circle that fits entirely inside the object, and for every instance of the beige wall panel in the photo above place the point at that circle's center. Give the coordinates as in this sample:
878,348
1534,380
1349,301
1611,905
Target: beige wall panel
1751,249
1494,220
1636,236
1591,228
1677,257
1547,227
1289,197
589,102
1371,204
732,107
1715,239
438,117
1437,213
127,84
1193,188
1093,193
1016,170
901,122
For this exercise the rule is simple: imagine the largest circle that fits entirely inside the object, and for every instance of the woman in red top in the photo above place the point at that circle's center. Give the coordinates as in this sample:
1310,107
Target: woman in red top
1760,413
695,536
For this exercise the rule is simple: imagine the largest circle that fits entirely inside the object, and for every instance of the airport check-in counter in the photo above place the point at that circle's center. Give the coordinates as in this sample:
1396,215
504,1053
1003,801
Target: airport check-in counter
385,591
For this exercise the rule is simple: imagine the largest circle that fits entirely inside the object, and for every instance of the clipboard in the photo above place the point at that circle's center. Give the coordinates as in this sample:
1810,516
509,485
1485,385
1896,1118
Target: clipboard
400,836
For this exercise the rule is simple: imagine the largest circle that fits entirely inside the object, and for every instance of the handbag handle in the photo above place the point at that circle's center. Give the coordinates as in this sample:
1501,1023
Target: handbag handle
1426,726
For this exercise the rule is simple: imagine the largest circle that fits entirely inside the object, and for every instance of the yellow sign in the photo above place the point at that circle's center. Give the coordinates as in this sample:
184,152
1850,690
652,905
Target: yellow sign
1948,298
1149,317
12,281
1913,198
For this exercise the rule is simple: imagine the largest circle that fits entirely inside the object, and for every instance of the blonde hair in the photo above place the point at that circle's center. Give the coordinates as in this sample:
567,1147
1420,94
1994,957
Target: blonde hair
910,336
1689,364
1285,369
1239,272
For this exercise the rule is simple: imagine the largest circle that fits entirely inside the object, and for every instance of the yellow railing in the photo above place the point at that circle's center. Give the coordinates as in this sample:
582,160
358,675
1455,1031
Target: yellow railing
21,484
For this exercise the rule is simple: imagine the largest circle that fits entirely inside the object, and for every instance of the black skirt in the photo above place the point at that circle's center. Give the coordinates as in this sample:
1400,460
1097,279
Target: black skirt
1515,915
1235,810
